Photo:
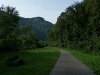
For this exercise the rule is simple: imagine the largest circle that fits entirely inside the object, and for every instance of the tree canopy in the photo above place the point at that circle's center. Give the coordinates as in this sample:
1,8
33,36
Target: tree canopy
78,27
12,37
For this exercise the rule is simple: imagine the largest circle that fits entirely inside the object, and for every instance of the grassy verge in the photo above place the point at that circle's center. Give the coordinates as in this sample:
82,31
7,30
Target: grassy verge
92,61
37,62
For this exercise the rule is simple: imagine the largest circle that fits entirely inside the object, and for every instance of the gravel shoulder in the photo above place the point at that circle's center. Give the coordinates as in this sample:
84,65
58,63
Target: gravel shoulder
67,64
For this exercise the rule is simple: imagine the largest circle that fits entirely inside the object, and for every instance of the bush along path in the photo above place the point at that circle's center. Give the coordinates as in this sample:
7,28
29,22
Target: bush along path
67,64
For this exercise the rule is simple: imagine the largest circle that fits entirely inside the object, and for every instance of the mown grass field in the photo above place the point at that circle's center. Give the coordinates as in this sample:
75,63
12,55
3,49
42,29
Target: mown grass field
92,61
37,62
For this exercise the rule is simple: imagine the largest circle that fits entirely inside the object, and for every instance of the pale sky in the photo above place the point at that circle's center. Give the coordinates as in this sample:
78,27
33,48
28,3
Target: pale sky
48,9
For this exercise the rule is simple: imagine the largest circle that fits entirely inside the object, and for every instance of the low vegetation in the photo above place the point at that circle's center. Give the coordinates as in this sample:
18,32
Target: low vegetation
92,61
37,62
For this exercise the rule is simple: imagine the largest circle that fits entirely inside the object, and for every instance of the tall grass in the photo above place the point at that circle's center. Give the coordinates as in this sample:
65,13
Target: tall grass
92,61
37,62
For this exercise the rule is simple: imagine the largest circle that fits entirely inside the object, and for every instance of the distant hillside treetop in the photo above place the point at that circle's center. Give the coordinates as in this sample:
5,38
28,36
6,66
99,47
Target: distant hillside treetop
39,25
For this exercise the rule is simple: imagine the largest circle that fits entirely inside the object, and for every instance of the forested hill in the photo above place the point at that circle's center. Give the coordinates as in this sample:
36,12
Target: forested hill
39,25
78,27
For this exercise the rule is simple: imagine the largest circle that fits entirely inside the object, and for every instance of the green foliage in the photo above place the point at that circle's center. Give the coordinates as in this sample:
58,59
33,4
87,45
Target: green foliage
8,23
37,62
12,37
78,27
9,44
40,44
8,20
28,41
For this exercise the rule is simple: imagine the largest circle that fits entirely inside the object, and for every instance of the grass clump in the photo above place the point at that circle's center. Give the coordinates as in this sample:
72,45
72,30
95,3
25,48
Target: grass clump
37,62
92,61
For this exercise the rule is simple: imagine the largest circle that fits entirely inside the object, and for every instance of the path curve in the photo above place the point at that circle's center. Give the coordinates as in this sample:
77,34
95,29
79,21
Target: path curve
67,64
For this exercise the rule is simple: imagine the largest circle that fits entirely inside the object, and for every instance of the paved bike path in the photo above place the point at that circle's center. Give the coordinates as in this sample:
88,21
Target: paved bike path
67,64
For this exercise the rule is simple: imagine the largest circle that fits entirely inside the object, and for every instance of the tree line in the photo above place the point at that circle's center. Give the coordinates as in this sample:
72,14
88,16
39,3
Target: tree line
12,37
78,27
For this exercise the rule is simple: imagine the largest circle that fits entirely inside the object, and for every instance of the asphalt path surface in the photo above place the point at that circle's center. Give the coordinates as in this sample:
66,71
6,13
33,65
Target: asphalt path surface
67,64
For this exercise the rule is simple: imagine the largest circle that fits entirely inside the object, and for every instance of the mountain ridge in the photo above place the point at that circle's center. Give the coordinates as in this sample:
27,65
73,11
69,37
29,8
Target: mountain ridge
39,25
